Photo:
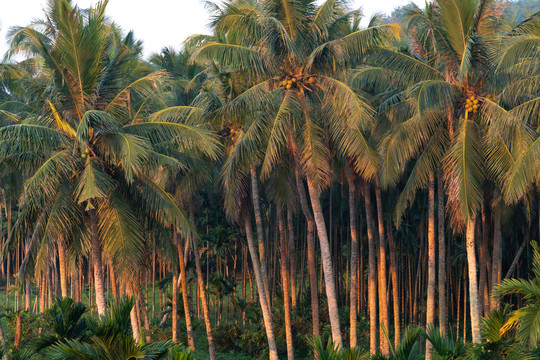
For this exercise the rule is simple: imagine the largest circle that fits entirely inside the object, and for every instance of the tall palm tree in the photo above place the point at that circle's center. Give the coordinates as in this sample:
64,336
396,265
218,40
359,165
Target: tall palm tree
293,57
91,146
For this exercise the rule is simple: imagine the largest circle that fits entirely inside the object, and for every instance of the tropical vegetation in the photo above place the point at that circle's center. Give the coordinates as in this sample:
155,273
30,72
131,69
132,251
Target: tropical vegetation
302,182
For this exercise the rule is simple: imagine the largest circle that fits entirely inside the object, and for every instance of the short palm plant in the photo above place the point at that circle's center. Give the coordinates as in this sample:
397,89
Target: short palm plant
525,319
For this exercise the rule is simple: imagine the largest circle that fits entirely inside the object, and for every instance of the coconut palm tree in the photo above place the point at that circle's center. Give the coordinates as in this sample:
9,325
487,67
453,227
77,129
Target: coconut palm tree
90,147
436,103
293,57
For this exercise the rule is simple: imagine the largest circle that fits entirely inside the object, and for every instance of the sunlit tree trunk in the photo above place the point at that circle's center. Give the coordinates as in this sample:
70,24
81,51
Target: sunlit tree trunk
133,314
312,271
62,261
430,304
3,342
372,271
383,300
259,227
354,261
284,265
326,258
98,267
473,282
267,315
174,307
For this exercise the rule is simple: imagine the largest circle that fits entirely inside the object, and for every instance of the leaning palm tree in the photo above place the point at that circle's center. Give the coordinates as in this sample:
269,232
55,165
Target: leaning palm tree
292,58
88,152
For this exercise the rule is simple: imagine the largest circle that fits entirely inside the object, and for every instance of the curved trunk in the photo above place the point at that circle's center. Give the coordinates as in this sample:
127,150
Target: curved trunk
326,258
267,316
98,267
260,236
443,311
202,295
285,283
473,283
372,271
314,292
383,300
183,281
63,267
430,304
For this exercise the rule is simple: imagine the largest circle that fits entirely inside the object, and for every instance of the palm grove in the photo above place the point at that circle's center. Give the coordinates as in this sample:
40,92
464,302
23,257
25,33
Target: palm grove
292,174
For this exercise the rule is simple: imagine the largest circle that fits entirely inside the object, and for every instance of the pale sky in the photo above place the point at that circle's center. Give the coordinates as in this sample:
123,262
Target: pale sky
157,23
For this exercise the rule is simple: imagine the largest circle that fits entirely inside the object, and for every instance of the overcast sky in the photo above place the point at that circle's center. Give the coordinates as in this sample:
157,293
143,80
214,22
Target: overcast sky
157,23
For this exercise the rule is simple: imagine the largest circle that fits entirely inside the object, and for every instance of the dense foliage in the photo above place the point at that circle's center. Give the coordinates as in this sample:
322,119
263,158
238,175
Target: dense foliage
293,184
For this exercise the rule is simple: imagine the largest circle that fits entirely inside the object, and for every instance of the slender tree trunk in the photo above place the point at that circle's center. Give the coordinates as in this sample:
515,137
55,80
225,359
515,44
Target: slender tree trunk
430,305
312,271
98,267
267,316
285,284
133,315
291,256
354,260
473,283
144,312
27,295
383,300
443,311
259,226
174,308
497,250
395,284
183,281
114,283
372,271
326,257
18,331
202,293
63,267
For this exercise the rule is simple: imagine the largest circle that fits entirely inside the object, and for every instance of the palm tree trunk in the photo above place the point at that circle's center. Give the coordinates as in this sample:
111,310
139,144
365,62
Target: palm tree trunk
114,283
326,258
312,271
174,308
98,267
183,280
267,316
202,293
63,267
383,300
443,311
259,226
144,313
27,295
473,283
285,284
372,271
354,260
133,315
291,257
430,305
497,250
395,284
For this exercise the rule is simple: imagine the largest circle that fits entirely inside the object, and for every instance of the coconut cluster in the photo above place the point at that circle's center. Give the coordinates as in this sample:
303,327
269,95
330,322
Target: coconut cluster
472,104
297,82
